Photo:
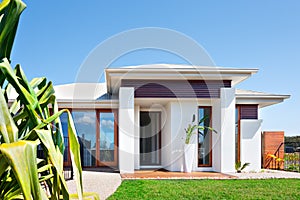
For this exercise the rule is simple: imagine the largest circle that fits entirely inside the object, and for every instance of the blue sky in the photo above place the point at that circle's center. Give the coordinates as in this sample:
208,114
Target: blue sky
55,37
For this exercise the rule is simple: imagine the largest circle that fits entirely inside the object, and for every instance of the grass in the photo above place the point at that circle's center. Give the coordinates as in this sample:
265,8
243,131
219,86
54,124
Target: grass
208,189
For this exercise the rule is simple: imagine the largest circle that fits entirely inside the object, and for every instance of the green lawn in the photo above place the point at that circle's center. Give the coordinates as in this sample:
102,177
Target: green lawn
209,189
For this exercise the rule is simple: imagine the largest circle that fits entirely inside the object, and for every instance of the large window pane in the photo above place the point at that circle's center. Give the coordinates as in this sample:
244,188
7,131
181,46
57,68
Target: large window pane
204,137
64,124
107,130
85,124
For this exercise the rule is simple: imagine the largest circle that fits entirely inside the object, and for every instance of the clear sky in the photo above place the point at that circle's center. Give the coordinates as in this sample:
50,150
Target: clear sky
54,38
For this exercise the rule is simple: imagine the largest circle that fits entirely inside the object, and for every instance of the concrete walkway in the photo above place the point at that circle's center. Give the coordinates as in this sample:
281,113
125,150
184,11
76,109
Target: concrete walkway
103,183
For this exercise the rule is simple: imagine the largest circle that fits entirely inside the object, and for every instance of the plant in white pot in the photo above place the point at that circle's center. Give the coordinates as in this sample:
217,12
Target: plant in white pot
190,148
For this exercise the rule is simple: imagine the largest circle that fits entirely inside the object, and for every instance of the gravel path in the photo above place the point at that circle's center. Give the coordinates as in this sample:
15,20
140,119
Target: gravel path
266,174
103,183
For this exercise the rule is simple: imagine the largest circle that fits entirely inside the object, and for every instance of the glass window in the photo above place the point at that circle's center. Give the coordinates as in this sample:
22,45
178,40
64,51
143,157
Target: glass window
107,136
204,137
64,125
85,124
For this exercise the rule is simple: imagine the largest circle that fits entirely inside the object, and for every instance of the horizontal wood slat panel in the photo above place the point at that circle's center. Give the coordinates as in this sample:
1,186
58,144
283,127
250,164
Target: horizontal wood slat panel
176,88
249,111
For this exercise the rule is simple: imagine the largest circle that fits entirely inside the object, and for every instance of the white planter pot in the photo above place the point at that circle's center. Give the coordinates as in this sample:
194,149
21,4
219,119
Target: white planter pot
189,154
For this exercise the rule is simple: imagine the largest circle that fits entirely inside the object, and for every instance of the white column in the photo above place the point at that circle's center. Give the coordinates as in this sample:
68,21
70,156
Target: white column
126,129
227,133
216,137
136,137
251,143
166,138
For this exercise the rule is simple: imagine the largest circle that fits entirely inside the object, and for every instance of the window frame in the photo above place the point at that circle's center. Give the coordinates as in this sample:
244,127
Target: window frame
238,147
116,138
210,135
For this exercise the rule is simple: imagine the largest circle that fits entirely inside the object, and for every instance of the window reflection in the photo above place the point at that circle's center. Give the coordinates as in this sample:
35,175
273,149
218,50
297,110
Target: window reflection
85,124
64,124
204,138
107,130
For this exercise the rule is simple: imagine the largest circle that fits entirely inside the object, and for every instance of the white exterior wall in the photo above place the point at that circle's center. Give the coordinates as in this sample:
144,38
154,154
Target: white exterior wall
178,114
126,130
216,137
166,138
181,115
227,131
251,144
136,137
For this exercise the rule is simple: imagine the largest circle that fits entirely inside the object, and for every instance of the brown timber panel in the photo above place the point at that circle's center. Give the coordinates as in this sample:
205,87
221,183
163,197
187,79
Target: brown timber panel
249,111
272,144
176,88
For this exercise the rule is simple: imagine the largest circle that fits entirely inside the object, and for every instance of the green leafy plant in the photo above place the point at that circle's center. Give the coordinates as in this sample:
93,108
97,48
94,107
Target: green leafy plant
190,130
29,120
239,167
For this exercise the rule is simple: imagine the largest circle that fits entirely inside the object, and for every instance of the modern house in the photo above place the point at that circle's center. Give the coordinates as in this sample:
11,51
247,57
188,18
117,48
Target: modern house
136,119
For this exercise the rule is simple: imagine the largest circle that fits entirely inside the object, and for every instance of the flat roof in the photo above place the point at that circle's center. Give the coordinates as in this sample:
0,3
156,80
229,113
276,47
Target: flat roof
263,99
175,72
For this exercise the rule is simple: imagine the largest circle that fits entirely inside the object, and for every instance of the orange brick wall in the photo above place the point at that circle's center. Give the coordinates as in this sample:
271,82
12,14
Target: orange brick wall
271,141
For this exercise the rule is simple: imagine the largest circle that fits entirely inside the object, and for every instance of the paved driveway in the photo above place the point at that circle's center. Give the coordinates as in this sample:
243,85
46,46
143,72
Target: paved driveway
103,183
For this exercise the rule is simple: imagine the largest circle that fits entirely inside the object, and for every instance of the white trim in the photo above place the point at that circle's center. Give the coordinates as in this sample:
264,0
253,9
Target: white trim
88,104
175,72
151,166
151,110
204,169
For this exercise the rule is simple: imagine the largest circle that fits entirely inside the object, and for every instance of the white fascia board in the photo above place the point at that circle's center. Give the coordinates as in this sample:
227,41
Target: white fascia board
88,104
261,100
236,75
183,70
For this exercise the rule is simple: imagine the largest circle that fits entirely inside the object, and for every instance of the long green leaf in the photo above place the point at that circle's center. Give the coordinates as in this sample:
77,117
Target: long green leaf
25,85
10,11
8,129
38,82
3,165
73,143
25,97
55,157
86,195
75,154
22,159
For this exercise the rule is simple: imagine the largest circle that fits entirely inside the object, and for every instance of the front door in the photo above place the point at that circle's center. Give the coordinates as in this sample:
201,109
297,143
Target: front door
150,138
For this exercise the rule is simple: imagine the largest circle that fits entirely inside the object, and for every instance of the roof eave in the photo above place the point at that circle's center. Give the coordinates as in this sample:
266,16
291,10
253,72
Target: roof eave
261,100
236,75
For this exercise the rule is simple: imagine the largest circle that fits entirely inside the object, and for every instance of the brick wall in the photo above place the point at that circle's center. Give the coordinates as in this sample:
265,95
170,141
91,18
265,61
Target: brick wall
272,149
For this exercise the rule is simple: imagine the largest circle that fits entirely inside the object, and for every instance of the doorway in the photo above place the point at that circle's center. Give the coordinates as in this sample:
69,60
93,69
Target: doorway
150,138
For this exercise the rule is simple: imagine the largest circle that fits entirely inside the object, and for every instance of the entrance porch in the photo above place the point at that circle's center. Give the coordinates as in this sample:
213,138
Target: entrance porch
164,174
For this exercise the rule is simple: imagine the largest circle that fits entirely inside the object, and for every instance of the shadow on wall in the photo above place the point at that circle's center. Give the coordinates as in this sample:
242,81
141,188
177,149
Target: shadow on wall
252,126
